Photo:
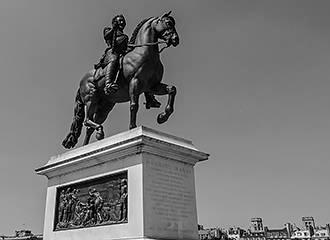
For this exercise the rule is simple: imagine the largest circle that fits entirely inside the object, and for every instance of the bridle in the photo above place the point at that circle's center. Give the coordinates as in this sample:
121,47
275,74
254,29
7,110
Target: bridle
150,44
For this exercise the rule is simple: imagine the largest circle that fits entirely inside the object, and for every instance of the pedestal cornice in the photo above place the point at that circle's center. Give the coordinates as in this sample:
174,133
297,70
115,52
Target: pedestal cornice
135,141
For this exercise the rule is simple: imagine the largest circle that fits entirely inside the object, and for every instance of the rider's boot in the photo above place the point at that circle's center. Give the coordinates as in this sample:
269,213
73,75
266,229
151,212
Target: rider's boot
110,74
151,101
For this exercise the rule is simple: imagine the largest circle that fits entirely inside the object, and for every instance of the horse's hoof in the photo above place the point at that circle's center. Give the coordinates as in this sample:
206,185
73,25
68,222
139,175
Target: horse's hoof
162,117
70,141
132,126
99,135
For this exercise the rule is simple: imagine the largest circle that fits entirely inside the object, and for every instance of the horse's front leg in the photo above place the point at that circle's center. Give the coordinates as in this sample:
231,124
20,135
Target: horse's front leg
163,89
134,93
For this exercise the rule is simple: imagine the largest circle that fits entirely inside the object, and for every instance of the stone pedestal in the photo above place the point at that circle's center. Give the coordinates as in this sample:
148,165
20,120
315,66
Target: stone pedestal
135,185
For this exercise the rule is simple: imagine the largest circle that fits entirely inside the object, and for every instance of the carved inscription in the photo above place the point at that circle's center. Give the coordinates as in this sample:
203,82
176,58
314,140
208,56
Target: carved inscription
95,202
171,195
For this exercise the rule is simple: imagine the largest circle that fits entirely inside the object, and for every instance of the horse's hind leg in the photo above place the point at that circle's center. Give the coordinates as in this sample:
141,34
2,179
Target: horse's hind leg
163,89
91,101
134,101
89,132
101,115
90,109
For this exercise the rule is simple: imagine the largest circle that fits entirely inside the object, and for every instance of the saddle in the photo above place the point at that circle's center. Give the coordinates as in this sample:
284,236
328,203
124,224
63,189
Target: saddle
101,65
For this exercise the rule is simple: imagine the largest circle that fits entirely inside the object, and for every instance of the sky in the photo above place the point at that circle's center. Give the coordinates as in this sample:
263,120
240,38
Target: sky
253,92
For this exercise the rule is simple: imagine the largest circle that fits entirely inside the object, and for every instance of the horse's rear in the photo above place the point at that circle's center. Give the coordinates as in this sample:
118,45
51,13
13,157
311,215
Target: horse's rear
90,88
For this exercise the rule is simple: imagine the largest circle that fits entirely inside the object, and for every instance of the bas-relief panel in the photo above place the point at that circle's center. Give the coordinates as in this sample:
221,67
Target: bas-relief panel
95,202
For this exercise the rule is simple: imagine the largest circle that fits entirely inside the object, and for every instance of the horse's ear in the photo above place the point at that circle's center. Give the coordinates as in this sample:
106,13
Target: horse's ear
166,14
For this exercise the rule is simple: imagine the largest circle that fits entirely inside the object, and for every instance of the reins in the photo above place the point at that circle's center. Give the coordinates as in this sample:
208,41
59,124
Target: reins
149,44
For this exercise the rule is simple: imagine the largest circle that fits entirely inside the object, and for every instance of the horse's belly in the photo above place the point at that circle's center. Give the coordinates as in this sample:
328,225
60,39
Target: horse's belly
120,96
149,75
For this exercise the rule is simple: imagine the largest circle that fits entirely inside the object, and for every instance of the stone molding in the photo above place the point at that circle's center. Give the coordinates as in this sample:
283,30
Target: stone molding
136,141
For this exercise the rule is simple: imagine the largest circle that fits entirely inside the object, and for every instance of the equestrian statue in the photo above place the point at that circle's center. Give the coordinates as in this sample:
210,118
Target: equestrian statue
126,70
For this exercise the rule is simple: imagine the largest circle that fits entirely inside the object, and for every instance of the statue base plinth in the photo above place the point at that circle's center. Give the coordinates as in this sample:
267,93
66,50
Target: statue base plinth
137,184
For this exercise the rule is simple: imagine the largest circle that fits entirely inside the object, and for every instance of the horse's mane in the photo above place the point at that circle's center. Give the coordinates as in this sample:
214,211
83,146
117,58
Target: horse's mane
136,30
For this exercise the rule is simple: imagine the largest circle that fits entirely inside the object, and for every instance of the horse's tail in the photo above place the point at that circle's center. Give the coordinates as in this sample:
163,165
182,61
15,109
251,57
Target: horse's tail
78,118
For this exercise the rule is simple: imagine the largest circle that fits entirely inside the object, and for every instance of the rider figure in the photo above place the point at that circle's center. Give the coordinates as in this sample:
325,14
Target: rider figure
117,43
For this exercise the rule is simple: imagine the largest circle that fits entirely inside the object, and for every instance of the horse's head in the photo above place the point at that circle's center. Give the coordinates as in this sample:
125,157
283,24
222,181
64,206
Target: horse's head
165,28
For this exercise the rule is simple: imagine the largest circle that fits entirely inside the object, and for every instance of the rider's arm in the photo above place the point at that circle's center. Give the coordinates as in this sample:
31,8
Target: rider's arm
107,35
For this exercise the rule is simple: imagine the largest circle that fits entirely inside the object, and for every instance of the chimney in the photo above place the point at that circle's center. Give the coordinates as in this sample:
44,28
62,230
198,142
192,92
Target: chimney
289,229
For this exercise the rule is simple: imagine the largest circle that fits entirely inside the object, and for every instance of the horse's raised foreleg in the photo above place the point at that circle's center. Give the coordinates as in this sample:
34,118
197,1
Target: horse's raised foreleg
134,101
163,89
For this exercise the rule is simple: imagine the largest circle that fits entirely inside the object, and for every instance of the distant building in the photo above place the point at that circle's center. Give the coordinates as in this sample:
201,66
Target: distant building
289,229
322,233
22,235
251,235
257,225
277,234
256,232
235,233
311,232
299,234
203,234
308,223
209,233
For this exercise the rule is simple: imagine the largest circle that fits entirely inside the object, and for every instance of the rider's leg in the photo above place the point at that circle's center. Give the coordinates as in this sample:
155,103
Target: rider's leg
151,101
110,74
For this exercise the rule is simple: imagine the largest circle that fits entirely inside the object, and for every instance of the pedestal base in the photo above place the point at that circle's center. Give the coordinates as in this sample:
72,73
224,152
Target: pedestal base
135,185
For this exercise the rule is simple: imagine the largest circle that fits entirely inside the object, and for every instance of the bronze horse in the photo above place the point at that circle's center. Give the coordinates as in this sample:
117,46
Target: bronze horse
141,72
